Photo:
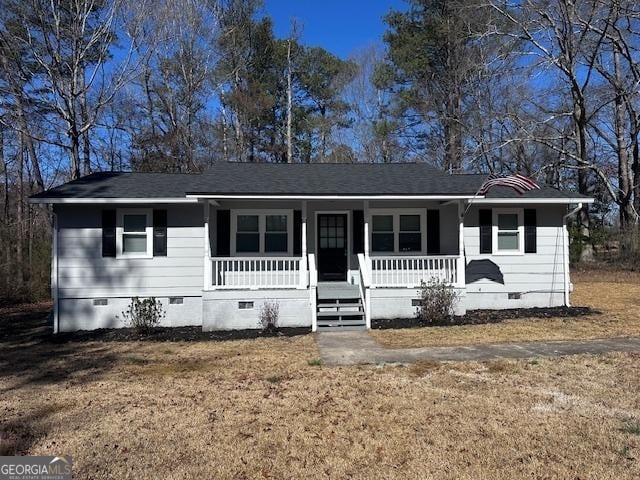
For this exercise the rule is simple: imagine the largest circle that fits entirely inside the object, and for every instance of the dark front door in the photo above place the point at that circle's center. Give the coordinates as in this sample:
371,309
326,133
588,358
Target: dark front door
332,247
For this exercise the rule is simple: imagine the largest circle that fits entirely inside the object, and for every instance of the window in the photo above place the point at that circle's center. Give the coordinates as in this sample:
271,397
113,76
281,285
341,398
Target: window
134,236
176,300
248,234
245,305
134,228
410,238
275,236
507,231
261,232
382,236
400,231
332,230
100,302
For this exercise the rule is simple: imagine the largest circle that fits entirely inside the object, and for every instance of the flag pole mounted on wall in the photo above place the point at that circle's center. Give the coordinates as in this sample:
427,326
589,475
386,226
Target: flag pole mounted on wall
517,182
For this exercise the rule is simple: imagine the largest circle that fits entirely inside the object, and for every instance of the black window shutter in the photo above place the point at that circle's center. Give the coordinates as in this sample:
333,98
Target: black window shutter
159,233
530,231
433,232
223,233
358,231
297,232
486,220
108,233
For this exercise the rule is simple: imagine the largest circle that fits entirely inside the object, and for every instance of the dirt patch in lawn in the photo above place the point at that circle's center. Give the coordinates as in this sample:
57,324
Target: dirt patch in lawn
266,408
606,302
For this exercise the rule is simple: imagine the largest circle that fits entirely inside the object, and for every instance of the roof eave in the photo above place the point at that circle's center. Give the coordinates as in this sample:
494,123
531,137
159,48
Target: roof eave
246,196
532,200
110,200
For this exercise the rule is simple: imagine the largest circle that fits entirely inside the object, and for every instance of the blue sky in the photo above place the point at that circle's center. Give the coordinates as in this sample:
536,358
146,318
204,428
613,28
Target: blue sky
340,26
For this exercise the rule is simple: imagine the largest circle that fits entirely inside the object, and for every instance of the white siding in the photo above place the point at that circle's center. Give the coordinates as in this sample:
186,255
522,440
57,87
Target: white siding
538,277
83,274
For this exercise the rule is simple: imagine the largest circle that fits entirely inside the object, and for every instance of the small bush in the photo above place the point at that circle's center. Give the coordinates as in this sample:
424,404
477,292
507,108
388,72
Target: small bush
144,314
269,316
437,302
314,362
133,360
631,427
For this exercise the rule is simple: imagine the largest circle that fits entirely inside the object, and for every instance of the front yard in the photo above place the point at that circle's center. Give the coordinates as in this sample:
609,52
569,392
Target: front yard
614,297
264,408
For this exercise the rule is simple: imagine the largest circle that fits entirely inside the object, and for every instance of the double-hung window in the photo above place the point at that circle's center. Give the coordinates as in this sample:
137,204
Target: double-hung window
134,233
248,234
410,236
382,235
508,235
397,232
262,233
275,235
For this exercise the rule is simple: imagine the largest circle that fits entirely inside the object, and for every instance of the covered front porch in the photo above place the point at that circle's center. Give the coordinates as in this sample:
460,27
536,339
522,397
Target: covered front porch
335,252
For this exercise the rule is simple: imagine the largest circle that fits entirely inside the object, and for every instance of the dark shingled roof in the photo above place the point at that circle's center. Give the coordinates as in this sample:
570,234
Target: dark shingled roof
282,179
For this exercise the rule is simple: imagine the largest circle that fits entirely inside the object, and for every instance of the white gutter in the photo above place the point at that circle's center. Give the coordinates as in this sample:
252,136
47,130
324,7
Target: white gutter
565,250
53,200
330,197
517,200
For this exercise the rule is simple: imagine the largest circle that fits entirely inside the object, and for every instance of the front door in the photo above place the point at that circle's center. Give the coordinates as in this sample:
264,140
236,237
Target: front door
332,247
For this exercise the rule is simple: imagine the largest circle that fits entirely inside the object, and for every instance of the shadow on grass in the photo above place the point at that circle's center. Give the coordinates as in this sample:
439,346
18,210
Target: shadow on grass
32,354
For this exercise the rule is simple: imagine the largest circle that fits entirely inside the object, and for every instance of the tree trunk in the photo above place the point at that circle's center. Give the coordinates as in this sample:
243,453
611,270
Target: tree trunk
29,143
20,215
84,116
289,106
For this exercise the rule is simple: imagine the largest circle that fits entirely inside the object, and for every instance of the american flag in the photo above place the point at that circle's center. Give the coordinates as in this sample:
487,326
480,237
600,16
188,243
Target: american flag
519,183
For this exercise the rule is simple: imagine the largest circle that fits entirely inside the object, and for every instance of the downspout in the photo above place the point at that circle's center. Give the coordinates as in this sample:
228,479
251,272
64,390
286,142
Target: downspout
565,250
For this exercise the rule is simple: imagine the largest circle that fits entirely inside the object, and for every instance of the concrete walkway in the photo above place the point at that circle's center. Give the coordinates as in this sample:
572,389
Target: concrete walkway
358,347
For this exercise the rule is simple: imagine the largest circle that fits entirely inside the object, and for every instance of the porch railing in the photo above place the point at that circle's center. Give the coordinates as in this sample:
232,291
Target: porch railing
258,272
408,272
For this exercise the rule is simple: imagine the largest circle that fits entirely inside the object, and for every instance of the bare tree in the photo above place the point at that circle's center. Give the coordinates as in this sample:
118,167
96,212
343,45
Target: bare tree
70,44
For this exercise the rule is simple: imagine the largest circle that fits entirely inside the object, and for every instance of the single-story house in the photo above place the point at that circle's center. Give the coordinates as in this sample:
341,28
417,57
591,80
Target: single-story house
335,245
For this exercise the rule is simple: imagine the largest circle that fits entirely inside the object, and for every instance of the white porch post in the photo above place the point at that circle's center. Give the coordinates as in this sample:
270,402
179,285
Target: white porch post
367,266
208,279
366,230
304,279
461,267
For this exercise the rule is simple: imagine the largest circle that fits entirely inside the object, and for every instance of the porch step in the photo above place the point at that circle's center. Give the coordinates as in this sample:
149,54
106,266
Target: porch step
341,328
337,290
340,313
339,307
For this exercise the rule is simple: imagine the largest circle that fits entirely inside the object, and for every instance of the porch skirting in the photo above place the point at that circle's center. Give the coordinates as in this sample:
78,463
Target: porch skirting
240,309
398,302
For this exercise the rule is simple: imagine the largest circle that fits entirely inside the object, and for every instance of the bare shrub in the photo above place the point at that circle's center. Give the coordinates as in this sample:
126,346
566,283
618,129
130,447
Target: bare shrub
144,314
437,302
269,316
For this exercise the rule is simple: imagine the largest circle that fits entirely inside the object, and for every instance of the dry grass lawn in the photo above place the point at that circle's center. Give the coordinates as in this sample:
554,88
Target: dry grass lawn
616,295
265,409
